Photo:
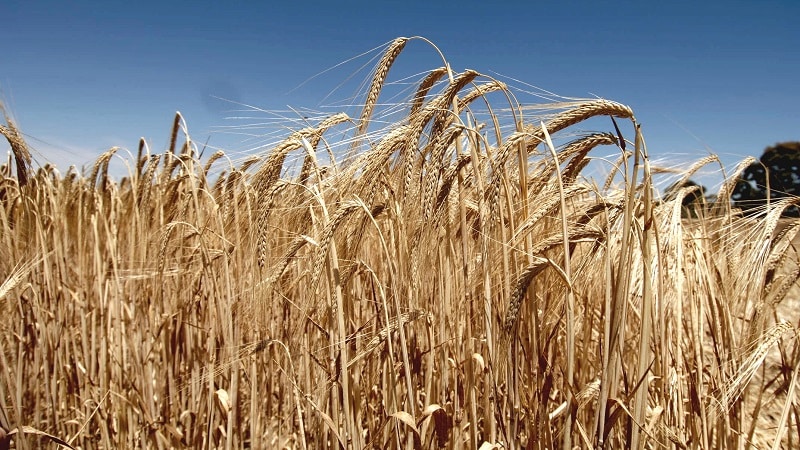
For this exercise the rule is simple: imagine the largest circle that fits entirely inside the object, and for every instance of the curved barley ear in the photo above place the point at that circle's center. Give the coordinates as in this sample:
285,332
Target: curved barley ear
145,184
438,112
443,141
585,111
492,195
588,394
395,139
270,170
311,137
323,126
262,221
211,160
277,270
729,184
101,167
733,387
444,116
773,217
480,91
778,246
778,294
578,150
22,156
534,135
512,312
416,106
527,275
344,211
309,163
575,233
381,336
425,87
381,71
524,280
447,182
778,255
547,205
443,135
173,137
699,164
579,113
440,109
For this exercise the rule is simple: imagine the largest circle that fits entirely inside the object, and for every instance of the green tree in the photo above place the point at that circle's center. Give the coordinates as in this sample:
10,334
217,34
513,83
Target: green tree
775,176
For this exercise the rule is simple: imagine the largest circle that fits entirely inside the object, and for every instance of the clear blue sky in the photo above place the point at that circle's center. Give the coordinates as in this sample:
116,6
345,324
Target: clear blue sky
80,77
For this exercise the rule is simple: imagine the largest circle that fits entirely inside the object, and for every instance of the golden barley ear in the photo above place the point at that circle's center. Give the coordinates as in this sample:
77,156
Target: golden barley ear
577,151
22,155
101,167
381,71
424,87
339,217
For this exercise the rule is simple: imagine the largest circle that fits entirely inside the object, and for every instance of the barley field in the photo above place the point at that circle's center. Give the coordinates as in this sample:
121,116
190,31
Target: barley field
436,271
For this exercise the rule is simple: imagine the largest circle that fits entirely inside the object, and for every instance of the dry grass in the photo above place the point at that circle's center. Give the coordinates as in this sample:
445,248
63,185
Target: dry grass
457,283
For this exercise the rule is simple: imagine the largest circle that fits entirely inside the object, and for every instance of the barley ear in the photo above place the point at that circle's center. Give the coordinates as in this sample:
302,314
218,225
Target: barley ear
22,156
381,71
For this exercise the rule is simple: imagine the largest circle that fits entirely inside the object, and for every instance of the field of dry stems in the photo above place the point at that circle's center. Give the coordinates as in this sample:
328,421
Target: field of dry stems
450,278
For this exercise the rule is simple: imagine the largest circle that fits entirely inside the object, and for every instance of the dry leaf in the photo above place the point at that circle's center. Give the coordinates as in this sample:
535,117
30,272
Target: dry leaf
407,419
